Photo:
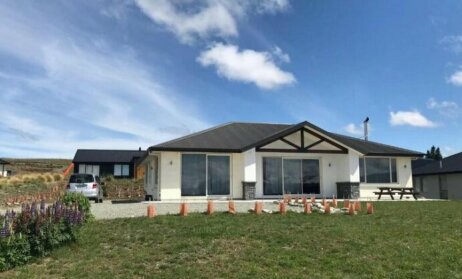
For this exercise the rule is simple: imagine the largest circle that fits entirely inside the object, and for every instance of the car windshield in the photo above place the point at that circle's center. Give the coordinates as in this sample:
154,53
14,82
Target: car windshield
81,178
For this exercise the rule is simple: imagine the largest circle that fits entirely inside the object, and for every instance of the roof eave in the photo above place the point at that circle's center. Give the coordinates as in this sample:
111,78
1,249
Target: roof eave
412,155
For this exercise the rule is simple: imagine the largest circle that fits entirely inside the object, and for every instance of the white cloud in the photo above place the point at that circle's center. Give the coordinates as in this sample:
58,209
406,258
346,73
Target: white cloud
452,43
357,130
456,78
80,92
213,19
190,20
247,66
280,55
446,108
411,118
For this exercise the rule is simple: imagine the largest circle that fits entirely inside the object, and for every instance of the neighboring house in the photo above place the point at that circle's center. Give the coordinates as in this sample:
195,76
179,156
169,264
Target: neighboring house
3,170
276,159
117,163
439,179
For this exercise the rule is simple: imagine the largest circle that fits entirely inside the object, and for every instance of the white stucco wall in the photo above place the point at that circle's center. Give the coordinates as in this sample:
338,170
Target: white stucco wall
250,165
170,175
237,175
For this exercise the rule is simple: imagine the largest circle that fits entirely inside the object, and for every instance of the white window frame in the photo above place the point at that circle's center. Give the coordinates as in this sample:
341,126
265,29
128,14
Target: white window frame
92,167
389,168
122,168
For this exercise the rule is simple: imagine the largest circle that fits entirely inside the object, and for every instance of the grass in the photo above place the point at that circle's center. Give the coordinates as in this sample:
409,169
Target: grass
401,240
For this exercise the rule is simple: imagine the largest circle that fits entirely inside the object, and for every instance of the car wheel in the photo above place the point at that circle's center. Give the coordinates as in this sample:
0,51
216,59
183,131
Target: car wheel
101,200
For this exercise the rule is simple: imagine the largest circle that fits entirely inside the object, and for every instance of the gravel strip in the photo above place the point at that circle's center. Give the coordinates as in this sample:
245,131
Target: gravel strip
108,210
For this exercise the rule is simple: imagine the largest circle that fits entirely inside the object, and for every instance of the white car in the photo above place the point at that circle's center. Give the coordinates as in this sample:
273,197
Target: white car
87,184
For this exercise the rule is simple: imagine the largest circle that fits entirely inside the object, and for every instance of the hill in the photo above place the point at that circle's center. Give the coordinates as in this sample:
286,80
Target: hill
36,166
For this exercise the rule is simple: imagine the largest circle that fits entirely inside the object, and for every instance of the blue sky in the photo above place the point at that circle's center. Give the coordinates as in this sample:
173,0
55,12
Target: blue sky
124,74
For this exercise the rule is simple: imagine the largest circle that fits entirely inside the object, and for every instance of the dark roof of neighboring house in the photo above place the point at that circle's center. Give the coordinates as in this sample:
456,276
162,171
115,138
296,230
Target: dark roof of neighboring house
3,162
106,156
451,164
420,163
239,137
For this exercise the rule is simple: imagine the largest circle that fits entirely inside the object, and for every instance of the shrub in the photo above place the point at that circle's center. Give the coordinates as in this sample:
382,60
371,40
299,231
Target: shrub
36,231
57,177
70,199
48,178
39,179
108,178
14,251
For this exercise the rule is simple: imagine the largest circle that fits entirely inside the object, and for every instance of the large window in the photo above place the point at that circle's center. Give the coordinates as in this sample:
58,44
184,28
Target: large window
88,169
378,170
205,175
121,170
290,176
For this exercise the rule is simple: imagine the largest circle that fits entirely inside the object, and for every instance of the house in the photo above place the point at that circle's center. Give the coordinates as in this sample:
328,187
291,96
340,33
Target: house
3,170
439,179
271,160
117,163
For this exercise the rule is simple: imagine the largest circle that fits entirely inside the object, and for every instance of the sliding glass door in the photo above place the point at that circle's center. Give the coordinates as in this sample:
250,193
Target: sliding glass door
310,177
203,175
290,176
272,176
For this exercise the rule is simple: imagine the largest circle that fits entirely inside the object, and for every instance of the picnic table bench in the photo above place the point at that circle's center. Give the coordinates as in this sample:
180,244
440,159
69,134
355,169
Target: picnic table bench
402,191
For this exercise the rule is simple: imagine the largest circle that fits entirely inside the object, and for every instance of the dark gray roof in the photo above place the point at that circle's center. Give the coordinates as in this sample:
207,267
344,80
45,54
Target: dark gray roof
239,137
106,156
373,148
3,162
451,164
420,163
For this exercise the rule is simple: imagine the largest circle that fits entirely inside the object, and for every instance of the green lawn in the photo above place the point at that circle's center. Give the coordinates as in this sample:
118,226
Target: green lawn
402,239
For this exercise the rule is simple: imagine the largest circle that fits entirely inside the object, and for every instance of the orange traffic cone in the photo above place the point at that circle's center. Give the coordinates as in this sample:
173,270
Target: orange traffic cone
184,209
346,204
313,199
370,208
327,208
151,211
282,207
307,209
231,207
323,202
334,202
351,210
357,206
304,200
258,207
210,208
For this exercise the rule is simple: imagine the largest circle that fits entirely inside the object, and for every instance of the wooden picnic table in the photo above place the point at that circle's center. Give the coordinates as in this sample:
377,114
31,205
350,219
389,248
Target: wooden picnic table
402,191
